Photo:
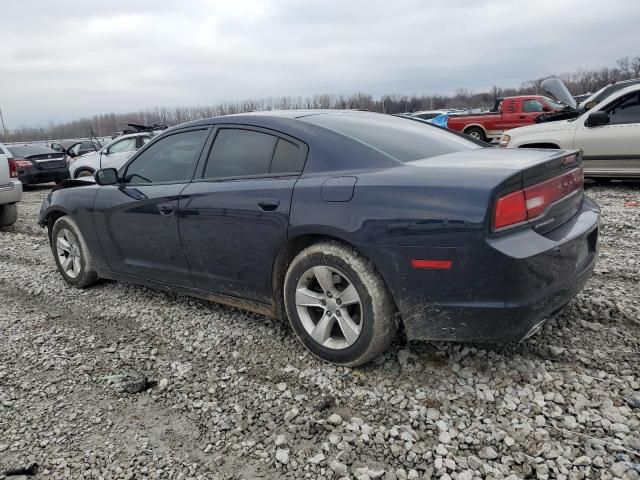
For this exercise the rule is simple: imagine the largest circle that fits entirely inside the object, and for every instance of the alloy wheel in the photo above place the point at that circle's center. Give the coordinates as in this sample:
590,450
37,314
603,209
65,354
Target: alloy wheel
69,254
329,307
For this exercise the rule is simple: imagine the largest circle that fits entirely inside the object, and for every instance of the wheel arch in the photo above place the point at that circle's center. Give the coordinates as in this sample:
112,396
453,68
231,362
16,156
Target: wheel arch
83,169
474,125
51,218
291,249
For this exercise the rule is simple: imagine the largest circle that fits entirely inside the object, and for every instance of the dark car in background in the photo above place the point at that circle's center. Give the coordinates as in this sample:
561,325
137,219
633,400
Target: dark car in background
348,223
39,164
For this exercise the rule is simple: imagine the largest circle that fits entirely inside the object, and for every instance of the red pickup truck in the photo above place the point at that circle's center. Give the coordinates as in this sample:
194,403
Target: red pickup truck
507,113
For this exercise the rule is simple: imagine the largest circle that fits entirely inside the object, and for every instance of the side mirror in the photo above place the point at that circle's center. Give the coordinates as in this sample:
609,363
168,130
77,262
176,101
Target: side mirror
546,109
596,119
106,176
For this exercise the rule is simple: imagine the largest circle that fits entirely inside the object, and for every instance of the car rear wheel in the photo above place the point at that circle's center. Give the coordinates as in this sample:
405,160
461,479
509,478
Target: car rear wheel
338,305
72,256
477,133
8,214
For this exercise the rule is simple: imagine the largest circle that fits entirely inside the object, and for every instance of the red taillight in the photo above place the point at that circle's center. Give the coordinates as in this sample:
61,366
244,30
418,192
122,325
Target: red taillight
541,196
510,209
533,201
23,163
13,168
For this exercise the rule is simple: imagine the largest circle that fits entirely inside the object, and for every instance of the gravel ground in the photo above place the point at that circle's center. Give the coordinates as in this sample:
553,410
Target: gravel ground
238,397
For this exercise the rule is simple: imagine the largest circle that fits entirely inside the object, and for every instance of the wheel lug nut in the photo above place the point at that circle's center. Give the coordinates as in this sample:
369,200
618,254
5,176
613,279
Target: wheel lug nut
329,294
329,313
323,302
338,313
338,301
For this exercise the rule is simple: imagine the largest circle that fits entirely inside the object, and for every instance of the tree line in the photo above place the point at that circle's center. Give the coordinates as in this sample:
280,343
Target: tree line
578,82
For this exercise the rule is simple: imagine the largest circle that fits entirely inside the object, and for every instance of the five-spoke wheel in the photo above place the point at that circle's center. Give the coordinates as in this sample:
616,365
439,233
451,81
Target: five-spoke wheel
338,304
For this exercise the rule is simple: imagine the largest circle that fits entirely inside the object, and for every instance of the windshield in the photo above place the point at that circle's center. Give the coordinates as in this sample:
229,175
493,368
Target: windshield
403,139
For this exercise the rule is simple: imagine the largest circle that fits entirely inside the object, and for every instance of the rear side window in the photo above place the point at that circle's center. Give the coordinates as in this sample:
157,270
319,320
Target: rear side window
401,138
286,158
245,153
170,159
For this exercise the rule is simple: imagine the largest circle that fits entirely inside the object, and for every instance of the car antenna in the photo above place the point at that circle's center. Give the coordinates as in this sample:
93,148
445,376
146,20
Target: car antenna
92,136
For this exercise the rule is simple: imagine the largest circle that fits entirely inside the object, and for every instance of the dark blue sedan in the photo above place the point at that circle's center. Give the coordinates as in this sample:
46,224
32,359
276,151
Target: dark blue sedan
348,223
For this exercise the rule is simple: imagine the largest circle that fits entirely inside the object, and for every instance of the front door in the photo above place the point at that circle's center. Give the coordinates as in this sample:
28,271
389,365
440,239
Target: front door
612,149
233,218
139,215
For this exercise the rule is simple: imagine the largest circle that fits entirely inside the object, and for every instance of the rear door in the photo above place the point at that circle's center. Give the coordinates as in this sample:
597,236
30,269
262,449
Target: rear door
612,149
234,217
138,217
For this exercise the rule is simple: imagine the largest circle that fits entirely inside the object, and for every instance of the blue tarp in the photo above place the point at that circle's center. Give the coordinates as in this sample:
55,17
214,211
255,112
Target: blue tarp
440,120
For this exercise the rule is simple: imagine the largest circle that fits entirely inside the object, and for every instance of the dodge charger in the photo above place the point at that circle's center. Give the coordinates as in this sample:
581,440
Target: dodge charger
351,225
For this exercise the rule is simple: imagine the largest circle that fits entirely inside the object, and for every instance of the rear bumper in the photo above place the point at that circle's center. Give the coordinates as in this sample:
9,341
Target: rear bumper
11,192
498,289
32,175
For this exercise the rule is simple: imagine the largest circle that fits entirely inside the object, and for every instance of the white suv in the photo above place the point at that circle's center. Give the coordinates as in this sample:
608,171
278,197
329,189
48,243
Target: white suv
114,155
608,134
10,188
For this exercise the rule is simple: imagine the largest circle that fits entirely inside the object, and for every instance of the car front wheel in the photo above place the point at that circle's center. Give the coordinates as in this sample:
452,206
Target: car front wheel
71,254
338,305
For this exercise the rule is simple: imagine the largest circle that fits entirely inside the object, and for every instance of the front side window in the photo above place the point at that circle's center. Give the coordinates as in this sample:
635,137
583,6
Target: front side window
126,145
530,106
625,110
170,159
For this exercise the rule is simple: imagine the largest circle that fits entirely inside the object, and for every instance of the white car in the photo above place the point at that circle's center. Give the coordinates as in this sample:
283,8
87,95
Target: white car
608,134
10,188
113,155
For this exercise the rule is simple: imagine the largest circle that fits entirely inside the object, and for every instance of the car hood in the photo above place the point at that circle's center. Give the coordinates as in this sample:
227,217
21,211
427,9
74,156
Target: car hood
544,127
88,157
558,90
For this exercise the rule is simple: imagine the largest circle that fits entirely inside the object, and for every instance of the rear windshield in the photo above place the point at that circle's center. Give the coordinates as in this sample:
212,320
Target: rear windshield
30,150
401,138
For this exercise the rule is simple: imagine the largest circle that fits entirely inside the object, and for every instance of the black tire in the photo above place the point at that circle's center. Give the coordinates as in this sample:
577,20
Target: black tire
83,173
8,214
86,274
477,133
377,317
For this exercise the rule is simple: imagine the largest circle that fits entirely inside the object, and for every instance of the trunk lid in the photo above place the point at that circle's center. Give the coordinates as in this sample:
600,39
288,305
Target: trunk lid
554,175
48,161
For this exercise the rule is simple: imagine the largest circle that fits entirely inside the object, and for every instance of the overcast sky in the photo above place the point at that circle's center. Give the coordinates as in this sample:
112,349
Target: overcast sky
60,59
